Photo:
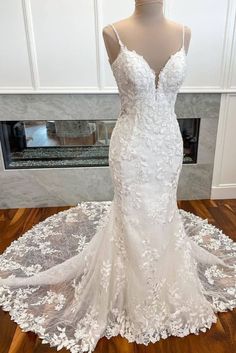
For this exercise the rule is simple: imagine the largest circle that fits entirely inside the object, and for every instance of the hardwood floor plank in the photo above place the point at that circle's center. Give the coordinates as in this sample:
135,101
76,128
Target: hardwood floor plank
22,342
200,209
7,331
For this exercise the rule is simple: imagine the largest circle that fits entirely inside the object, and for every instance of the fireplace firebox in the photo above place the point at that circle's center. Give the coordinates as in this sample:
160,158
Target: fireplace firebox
72,143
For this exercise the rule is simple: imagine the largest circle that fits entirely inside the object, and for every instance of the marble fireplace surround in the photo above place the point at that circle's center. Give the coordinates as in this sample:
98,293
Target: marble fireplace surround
68,186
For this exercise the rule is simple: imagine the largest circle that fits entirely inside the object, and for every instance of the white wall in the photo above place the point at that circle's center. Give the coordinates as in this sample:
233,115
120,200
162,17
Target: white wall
57,45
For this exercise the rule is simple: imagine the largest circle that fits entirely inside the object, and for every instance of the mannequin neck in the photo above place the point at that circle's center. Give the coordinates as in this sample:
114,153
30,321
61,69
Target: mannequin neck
149,9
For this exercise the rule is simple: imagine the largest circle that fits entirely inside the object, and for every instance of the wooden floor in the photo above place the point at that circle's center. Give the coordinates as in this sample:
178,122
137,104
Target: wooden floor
221,338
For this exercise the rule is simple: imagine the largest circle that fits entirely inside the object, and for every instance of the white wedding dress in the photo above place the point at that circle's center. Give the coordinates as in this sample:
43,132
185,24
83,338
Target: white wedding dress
137,265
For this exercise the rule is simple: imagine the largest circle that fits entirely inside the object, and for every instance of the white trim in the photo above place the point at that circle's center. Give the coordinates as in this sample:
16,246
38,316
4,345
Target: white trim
99,56
224,191
96,90
30,39
99,43
226,58
232,51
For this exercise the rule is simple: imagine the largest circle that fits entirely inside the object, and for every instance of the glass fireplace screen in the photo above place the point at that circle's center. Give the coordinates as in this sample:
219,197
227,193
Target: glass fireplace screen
72,143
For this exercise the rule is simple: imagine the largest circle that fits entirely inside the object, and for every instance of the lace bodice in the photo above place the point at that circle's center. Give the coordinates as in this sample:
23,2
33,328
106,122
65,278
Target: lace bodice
139,84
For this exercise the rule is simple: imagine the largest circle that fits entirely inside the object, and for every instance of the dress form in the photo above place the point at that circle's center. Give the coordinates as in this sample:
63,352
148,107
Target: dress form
149,33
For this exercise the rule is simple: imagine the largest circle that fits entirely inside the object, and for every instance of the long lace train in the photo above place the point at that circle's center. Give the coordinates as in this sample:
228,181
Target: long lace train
78,287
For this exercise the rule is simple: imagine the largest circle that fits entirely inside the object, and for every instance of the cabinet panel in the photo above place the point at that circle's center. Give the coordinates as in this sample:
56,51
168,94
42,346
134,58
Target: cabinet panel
64,32
207,21
14,60
228,166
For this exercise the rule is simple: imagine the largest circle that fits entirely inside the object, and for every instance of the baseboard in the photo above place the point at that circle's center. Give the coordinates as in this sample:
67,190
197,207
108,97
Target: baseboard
223,191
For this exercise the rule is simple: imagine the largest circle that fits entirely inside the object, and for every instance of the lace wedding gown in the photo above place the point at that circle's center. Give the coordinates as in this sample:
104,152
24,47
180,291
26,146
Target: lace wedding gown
137,265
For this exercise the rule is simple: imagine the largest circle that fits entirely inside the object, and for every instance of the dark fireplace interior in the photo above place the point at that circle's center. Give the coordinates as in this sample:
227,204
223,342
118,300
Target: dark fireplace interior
72,143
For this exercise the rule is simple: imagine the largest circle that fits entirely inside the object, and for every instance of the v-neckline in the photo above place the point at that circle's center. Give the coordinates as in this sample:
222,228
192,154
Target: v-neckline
156,75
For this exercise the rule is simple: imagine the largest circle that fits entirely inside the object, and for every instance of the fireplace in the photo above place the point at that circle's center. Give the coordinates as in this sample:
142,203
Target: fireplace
72,143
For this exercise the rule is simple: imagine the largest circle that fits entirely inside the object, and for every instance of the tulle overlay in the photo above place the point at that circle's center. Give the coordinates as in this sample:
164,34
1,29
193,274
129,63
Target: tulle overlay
78,287
137,265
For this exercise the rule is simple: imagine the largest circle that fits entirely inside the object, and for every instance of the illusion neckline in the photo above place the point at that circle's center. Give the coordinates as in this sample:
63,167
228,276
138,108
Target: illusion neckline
154,73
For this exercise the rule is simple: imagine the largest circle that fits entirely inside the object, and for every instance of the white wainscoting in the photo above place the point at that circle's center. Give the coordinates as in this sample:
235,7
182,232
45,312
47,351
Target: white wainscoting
65,46
224,175
211,26
15,69
57,45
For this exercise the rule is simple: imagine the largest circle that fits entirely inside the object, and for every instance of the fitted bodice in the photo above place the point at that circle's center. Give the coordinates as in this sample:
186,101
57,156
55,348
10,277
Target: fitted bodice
141,87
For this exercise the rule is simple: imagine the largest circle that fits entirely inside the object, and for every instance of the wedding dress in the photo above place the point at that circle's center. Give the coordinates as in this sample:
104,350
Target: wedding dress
137,265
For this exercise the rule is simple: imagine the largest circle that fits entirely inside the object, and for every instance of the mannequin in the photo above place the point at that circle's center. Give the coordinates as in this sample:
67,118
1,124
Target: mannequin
149,33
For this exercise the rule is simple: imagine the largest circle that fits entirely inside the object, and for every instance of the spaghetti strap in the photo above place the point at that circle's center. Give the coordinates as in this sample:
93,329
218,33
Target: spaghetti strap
183,35
117,35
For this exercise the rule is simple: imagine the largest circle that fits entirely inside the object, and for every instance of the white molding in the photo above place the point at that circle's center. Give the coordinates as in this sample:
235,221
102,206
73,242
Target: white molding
98,38
99,56
232,51
30,38
92,90
207,89
226,57
224,191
